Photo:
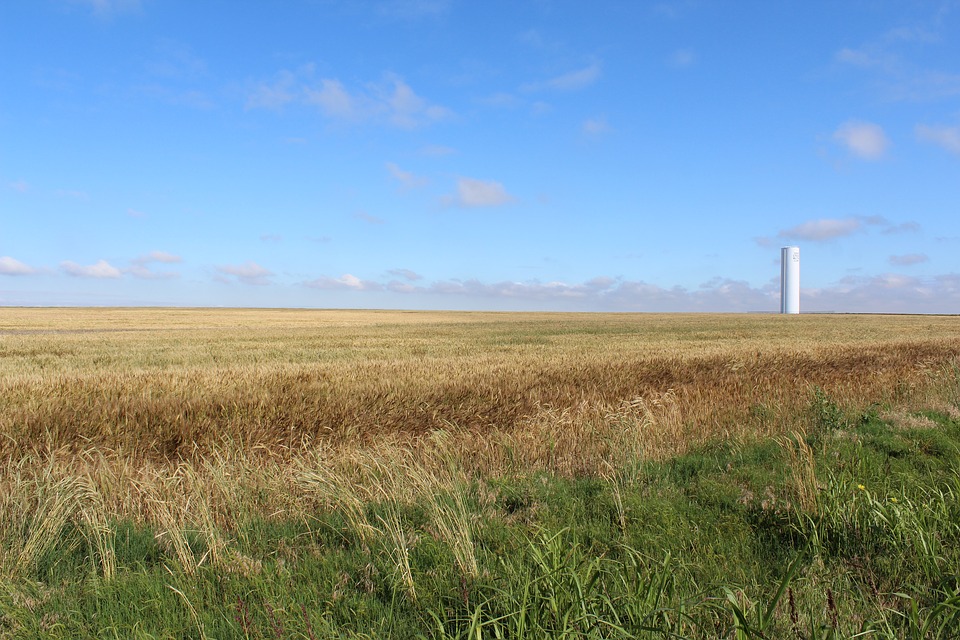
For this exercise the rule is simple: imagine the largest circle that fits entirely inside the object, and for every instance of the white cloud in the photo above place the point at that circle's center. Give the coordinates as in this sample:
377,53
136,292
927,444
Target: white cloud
101,269
946,137
908,259
604,292
248,273
334,100
832,228
571,81
881,293
405,108
406,179
479,193
134,213
345,282
391,100
823,229
596,126
682,58
863,139
20,186
13,267
887,293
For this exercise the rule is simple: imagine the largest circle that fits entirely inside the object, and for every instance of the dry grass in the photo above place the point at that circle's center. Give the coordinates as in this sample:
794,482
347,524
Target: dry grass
196,419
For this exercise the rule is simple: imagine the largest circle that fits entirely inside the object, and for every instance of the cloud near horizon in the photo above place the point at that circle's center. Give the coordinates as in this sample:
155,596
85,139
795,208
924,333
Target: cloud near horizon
139,266
247,273
345,282
886,293
100,269
13,267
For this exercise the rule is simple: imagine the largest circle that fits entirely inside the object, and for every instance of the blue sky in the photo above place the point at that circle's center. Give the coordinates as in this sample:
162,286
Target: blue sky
506,155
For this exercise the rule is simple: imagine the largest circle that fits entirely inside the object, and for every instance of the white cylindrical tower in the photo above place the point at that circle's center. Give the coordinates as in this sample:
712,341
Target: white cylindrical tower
790,280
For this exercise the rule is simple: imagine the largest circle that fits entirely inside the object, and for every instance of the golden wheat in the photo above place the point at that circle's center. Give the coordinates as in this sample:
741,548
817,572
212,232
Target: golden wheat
199,419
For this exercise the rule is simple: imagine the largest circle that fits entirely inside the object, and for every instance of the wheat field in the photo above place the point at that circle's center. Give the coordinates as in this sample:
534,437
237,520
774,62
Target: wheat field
143,402
165,384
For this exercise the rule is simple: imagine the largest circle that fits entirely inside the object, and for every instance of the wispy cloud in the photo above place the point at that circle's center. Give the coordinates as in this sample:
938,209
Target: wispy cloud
100,269
570,81
880,293
863,139
134,213
247,273
682,58
140,266
908,259
20,186
406,274
479,193
407,179
13,267
368,218
390,100
942,136
437,150
823,229
274,94
891,59
345,282
596,126
903,227
176,61
334,100
412,9
501,100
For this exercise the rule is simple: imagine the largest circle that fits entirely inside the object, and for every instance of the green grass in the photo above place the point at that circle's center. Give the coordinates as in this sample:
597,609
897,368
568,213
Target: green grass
726,541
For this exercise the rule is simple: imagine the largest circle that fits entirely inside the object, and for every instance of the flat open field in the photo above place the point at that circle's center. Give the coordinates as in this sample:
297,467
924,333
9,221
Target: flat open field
297,473
167,384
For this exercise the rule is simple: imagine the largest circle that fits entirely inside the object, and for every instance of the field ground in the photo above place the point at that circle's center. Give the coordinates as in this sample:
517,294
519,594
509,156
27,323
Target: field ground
291,473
